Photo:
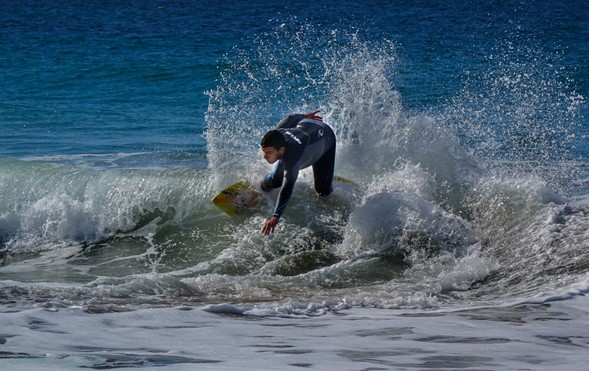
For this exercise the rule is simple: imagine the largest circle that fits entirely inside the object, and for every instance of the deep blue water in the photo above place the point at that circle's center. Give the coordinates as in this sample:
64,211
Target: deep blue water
101,77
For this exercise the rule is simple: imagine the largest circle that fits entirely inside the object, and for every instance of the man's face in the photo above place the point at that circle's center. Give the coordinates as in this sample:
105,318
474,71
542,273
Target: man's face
272,154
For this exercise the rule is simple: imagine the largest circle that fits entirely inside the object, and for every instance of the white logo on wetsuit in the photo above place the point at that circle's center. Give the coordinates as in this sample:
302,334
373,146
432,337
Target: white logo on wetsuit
293,137
320,133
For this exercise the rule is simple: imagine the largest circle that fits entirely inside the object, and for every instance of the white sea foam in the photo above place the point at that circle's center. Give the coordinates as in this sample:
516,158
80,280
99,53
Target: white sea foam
549,336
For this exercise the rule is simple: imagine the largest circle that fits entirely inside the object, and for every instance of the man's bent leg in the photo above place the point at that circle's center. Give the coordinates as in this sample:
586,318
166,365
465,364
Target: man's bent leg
323,171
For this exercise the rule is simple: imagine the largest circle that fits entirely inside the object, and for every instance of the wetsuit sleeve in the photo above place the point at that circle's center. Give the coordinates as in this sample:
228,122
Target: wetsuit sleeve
290,178
290,121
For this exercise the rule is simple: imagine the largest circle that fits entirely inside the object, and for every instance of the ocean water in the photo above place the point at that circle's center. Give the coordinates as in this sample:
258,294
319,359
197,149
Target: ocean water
464,123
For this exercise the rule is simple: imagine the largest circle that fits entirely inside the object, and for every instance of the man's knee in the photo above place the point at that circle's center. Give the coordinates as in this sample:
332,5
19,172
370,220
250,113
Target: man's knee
325,194
324,191
269,182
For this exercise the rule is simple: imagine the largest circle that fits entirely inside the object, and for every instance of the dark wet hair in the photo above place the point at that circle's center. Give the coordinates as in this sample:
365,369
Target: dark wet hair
273,138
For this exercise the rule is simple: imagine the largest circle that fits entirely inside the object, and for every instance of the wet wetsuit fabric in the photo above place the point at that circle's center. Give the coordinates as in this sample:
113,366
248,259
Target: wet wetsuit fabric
309,143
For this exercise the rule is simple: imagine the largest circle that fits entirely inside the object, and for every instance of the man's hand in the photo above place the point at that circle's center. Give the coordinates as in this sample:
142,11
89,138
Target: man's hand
270,225
313,116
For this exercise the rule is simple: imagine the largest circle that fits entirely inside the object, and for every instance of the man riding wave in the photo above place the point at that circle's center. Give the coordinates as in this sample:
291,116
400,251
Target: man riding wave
297,142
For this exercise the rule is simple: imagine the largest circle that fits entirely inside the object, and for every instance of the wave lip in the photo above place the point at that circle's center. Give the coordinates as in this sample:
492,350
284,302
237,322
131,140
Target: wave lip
44,204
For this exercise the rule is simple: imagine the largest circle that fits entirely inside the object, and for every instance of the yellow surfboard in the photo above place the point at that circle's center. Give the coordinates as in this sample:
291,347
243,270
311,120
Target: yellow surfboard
240,198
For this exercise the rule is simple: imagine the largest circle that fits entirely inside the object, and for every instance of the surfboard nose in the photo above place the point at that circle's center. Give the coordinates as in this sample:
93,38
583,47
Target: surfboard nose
237,198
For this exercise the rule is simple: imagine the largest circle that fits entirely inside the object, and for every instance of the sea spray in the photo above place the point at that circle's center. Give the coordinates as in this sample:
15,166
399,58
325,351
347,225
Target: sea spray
287,75
520,109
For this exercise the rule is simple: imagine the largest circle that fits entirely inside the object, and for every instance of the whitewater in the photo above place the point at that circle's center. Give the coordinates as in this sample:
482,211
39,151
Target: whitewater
466,246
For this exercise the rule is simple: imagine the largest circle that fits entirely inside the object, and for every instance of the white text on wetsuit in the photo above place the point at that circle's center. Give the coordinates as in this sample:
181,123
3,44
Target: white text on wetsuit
293,136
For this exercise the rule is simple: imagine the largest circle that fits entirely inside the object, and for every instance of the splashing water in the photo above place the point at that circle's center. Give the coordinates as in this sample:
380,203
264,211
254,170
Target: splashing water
436,194
440,219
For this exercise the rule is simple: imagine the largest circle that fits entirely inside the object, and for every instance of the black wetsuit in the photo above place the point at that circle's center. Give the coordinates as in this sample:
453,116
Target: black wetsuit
309,142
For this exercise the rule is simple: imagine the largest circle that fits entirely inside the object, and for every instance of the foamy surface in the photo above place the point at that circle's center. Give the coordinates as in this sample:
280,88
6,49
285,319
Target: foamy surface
549,335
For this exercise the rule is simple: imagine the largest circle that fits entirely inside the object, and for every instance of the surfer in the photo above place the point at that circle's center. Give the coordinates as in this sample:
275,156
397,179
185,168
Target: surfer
297,142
